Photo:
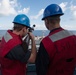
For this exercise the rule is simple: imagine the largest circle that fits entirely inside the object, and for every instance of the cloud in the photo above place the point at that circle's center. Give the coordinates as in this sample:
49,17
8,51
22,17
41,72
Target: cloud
6,8
3,27
38,15
40,27
70,6
11,7
63,5
14,3
69,27
24,10
73,10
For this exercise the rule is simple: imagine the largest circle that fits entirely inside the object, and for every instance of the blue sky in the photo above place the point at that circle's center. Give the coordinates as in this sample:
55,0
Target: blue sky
34,10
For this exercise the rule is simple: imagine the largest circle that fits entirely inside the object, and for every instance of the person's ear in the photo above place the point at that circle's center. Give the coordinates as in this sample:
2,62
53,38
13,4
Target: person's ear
47,21
23,29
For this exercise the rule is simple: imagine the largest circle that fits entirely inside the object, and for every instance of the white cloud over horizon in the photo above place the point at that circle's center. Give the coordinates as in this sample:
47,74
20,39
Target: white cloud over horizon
13,7
73,10
24,10
69,27
3,27
63,5
69,6
8,7
38,15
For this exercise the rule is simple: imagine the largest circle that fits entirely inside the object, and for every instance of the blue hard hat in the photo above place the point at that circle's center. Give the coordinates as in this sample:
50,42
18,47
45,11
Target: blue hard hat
52,10
22,19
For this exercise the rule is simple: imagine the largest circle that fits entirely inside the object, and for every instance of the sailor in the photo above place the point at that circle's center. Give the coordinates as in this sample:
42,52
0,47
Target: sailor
57,51
13,51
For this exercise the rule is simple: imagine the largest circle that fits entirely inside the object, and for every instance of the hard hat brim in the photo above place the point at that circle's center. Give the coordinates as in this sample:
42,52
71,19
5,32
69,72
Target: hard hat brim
52,15
22,24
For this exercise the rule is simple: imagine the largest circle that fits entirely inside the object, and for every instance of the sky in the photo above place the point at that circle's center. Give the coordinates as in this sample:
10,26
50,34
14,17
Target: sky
34,10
